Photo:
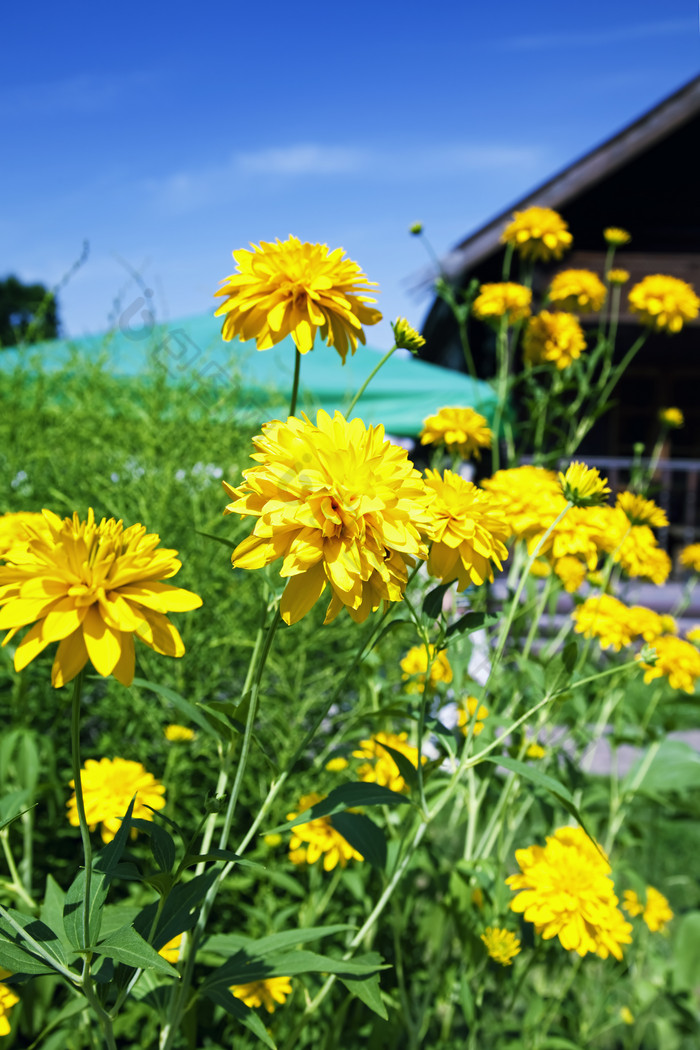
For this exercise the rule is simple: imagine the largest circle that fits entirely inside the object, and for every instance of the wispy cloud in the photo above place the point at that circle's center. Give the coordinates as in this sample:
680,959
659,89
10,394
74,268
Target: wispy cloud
598,37
72,96
303,159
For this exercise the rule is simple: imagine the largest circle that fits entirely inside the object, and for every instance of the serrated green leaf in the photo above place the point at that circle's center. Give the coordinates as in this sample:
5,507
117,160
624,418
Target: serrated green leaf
127,946
368,989
223,997
353,793
364,836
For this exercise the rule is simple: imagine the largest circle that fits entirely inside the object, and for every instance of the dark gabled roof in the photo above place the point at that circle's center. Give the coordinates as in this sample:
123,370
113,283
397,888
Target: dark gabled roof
650,129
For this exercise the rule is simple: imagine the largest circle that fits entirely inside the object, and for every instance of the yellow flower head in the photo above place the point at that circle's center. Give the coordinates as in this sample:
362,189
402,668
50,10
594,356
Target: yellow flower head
690,557
290,288
605,618
626,1015
337,764
671,417
583,486
640,511
91,587
505,299
576,535
571,571
502,945
634,547
16,531
567,892
415,665
618,276
341,505
693,634
470,710
535,750
318,839
664,303
616,237
179,734
648,624
656,911
406,337
553,337
530,496
380,767
8,999
678,660
468,530
265,992
580,291
460,430
171,949
538,233
108,787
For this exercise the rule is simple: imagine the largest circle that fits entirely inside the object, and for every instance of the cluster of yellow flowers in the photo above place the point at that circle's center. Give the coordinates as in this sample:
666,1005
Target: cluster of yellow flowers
655,910
415,664
616,624
108,787
460,430
471,713
379,766
318,838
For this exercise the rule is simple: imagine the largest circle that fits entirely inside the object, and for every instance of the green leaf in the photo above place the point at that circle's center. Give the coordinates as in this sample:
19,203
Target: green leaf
353,793
227,943
405,767
388,627
541,780
686,953
12,807
364,836
220,854
674,768
162,844
560,668
367,989
470,622
218,539
52,910
432,603
179,912
191,711
127,946
232,1005
242,968
17,956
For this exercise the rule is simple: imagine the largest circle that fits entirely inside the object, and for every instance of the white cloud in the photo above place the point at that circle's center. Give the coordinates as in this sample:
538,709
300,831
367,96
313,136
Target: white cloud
304,159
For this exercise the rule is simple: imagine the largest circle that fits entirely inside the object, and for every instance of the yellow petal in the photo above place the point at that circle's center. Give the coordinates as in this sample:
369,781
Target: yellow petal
103,643
71,657
301,593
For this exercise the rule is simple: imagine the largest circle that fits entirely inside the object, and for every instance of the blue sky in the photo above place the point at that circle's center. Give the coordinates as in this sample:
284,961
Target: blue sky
167,137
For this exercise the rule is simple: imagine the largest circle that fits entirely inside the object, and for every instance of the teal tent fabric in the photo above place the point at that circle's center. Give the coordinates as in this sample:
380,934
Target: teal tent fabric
400,396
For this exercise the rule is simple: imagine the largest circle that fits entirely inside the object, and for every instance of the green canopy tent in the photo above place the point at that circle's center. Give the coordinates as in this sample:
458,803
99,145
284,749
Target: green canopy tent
400,396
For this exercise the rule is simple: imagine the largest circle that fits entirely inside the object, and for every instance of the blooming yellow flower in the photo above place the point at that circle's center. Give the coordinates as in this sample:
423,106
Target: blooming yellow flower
634,547
108,787
567,892
530,496
460,430
690,557
618,276
178,734
640,511
468,530
616,237
671,417
341,505
468,709
406,337
15,534
318,838
583,486
502,945
265,992
290,288
538,233
580,291
664,303
91,587
605,618
337,764
8,999
505,299
553,337
577,535
415,664
381,767
678,660
171,950
656,911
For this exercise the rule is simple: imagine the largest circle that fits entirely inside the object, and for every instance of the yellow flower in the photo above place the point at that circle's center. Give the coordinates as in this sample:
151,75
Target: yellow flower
535,750
171,950
415,664
468,530
318,839
468,709
690,557
406,337
265,992
618,276
90,588
272,840
538,233
567,892
341,505
505,299
571,571
626,1015
693,635
530,496
583,486
577,535
553,337
580,291
502,945
664,303
381,767
672,417
649,625
108,787
616,237
678,660
634,547
656,912
177,734
290,288
8,999
337,764
460,430
640,511
605,618
16,530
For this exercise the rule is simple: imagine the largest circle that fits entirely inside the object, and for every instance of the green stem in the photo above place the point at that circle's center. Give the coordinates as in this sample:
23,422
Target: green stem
295,383
16,886
368,380
80,805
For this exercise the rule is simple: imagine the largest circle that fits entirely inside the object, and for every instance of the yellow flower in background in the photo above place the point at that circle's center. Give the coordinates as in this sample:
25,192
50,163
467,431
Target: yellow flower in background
468,709
16,531
530,497
672,417
415,665
618,277
566,890
616,237
460,430
108,787
266,992
656,911
678,660
634,547
406,337
580,291
664,303
640,511
337,764
605,618
538,233
290,288
8,999
690,557
583,486
648,624
171,949
576,535
535,750
626,1015
179,734
693,635
502,945
380,767
91,587
505,299
341,505
553,337
318,838
468,530
571,571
